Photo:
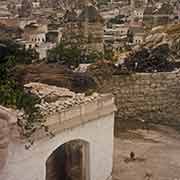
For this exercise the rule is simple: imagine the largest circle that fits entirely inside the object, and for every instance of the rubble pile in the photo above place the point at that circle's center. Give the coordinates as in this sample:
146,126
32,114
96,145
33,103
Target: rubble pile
56,99
49,93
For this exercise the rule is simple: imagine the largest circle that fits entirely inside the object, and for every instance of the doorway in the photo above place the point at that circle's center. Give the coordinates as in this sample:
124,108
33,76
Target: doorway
70,161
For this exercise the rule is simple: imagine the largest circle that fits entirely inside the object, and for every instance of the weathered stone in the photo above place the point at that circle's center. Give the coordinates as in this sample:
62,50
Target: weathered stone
148,94
6,118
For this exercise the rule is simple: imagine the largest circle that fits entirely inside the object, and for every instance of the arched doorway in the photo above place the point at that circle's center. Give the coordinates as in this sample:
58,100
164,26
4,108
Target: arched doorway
70,161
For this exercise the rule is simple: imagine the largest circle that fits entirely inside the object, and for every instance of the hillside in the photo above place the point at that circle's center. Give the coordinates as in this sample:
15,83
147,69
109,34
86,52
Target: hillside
169,35
54,74
66,4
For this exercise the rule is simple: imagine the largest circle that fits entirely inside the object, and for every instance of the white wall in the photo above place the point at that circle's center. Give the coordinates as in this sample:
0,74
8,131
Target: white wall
30,164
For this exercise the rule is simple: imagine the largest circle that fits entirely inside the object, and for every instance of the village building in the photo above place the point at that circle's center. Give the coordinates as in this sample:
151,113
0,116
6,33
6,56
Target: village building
35,37
36,4
138,13
116,37
158,14
138,38
54,36
138,34
108,13
137,10
35,33
121,29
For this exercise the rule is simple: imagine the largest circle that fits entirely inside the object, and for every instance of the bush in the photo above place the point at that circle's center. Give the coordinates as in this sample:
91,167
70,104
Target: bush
12,93
72,56
150,60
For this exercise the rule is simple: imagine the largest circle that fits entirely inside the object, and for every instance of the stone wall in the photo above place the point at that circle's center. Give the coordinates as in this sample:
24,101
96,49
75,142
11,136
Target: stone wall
146,96
31,164
91,122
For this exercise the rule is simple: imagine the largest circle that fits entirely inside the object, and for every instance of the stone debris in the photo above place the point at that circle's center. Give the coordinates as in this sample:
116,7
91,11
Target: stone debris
49,93
56,99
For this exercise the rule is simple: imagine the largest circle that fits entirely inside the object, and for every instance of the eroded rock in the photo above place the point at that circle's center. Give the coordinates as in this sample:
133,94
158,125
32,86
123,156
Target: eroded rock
6,118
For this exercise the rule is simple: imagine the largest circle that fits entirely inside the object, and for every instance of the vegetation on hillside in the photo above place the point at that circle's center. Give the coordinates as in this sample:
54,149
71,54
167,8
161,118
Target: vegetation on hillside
150,60
72,56
102,2
12,93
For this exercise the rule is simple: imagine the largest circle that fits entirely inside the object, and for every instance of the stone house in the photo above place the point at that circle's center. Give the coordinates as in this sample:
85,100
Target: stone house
116,37
138,13
158,15
138,34
36,4
109,13
138,38
54,36
137,9
120,29
35,36
35,33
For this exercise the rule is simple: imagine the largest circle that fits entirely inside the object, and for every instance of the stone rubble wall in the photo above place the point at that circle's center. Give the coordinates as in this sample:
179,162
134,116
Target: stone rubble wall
153,97
55,99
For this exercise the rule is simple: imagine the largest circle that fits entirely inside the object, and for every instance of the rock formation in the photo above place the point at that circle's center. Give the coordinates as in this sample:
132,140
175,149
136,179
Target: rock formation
165,35
6,118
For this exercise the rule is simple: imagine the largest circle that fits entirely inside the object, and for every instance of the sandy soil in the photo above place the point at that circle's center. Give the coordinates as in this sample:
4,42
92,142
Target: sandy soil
157,155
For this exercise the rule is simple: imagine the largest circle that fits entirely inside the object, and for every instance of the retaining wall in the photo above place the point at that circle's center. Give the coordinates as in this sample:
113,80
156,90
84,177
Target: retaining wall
151,97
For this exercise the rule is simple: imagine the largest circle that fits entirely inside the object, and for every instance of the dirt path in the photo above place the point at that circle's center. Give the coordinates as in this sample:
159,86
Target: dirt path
157,155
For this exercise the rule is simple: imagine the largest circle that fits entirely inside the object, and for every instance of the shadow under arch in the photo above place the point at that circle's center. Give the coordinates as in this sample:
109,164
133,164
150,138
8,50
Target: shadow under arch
70,161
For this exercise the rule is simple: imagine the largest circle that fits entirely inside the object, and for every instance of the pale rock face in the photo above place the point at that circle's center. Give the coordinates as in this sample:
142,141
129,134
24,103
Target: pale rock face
4,141
6,117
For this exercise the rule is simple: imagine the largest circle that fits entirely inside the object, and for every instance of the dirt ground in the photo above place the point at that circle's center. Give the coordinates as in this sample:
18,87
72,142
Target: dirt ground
157,155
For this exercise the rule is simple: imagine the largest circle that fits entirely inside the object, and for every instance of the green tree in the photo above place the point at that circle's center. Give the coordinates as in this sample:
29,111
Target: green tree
11,50
72,56
11,92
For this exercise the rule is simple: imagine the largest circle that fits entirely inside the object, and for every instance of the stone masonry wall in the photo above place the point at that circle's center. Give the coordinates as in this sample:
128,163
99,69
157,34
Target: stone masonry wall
153,97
